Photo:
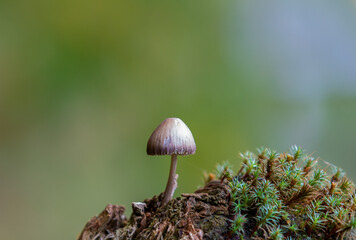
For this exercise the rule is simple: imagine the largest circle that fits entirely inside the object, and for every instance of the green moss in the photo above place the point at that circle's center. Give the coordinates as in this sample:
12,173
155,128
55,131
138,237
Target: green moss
277,196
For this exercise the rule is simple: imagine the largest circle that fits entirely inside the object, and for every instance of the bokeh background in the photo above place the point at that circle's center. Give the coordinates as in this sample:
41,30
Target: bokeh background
84,83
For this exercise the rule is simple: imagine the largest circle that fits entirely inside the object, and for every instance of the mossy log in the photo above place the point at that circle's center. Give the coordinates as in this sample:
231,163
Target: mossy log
273,196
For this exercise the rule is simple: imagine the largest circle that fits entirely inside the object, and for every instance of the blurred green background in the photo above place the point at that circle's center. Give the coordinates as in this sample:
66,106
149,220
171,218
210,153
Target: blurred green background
84,83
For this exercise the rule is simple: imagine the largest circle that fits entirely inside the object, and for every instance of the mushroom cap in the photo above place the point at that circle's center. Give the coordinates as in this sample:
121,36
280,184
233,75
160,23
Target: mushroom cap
172,136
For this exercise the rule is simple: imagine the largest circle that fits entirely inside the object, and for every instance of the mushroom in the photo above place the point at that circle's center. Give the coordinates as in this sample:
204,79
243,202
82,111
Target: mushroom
171,137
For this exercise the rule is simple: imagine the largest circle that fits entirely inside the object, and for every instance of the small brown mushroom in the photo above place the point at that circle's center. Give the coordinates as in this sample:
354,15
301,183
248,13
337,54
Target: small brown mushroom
171,137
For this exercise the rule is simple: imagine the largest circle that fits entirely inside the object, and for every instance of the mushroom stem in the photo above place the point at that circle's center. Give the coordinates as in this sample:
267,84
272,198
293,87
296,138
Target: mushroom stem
172,180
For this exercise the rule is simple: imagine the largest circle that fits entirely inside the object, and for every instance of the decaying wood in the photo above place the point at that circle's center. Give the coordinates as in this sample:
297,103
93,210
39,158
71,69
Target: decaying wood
200,215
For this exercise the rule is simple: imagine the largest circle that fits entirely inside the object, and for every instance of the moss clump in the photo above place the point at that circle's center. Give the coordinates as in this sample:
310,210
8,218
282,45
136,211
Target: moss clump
285,196
272,196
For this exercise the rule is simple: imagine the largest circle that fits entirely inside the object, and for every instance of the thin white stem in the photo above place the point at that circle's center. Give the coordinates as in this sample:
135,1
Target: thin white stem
172,180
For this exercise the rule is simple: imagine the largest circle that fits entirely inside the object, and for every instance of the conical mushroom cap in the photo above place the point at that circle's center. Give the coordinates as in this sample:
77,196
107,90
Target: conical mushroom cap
172,136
